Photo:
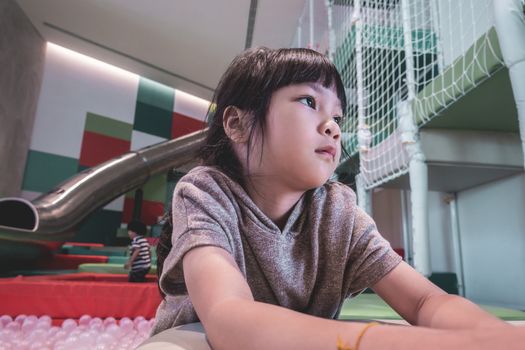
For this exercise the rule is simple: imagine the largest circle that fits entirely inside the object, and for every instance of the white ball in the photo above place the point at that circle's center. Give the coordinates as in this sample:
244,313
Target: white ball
69,325
87,338
37,345
45,319
32,318
109,320
114,330
5,319
95,320
28,325
138,319
20,318
60,334
143,326
126,324
13,326
84,320
106,339
38,335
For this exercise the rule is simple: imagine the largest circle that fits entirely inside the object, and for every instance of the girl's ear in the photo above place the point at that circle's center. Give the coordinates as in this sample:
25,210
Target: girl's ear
234,122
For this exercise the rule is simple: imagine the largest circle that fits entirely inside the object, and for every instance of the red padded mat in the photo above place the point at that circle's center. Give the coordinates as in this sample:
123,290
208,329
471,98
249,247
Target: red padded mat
71,261
74,295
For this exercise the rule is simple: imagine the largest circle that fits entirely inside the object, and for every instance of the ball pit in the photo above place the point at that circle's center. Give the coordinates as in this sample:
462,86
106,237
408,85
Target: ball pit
29,332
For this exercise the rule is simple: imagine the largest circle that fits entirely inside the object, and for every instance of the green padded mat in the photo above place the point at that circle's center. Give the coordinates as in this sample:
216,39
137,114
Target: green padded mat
37,272
446,88
110,268
104,251
123,259
371,306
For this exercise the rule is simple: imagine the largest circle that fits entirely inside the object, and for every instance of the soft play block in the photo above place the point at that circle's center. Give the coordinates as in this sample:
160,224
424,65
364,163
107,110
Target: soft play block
74,295
69,261
110,268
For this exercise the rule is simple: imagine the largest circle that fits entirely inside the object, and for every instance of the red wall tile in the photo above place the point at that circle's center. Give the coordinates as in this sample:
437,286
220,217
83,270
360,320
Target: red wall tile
97,148
183,125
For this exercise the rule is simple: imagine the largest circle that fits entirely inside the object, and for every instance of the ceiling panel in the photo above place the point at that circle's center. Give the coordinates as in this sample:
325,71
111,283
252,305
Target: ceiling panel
185,44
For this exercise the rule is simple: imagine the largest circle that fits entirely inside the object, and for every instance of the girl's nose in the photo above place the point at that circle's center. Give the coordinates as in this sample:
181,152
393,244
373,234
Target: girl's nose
331,128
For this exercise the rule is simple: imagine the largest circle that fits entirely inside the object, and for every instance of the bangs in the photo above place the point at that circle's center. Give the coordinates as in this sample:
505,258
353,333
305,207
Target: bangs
298,66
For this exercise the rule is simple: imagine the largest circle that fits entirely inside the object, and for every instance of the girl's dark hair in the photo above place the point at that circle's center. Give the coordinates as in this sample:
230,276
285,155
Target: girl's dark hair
248,84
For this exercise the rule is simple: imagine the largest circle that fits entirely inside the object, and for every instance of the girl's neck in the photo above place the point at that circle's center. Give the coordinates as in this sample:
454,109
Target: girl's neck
272,199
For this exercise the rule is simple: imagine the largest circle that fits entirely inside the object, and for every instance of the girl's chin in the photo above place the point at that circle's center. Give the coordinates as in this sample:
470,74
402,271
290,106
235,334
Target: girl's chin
317,182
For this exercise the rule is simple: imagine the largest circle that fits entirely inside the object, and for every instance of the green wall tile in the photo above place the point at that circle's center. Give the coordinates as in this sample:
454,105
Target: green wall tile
82,167
45,170
107,126
154,108
155,94
100,227
153,190
153,120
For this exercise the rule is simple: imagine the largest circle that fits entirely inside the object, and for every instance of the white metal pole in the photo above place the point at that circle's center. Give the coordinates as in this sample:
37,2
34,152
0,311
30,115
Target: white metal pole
331,34
510,26
359,63
299,32
407,234
311,8
456,244
437,32
364,200
363,133
418,171
409,59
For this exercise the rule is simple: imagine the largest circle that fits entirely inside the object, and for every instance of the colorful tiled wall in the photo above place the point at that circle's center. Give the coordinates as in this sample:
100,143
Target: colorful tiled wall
89,112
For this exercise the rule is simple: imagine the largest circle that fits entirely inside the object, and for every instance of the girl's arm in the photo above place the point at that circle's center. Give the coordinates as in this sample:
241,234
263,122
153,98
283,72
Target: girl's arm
233,320
422,303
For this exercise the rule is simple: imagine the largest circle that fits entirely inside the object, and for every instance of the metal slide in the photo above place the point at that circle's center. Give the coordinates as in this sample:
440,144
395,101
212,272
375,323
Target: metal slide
54,216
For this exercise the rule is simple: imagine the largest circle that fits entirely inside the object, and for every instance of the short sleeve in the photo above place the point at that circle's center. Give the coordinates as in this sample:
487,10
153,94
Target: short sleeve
371,256
200,218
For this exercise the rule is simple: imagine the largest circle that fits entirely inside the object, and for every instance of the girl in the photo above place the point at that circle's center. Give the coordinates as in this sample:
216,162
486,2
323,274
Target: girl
265,248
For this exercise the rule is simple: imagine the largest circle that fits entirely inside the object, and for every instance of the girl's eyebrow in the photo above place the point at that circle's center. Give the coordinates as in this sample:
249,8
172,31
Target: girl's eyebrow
317,88
314,86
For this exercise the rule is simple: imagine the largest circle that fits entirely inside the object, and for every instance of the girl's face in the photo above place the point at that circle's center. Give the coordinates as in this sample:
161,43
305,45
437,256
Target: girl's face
302,140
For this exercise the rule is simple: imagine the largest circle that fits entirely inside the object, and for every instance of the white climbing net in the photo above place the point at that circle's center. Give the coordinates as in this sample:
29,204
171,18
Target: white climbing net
451,47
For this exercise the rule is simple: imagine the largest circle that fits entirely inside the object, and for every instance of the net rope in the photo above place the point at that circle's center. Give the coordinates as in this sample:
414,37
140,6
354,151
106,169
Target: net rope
454,49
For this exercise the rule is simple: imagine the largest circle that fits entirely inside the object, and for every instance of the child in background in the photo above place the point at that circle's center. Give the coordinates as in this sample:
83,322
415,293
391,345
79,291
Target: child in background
266,247
139,261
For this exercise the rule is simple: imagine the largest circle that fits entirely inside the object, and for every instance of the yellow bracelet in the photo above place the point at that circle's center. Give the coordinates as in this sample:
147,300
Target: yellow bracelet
362,333
342,346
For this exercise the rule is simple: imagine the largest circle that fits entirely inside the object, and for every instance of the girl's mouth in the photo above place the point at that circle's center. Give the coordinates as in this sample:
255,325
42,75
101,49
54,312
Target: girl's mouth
329,151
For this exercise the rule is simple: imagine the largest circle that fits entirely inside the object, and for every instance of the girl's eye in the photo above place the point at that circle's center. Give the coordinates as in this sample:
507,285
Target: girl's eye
308,101
338,119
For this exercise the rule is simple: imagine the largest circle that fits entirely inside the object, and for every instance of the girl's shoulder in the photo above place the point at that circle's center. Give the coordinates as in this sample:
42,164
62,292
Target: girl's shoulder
336,190
335,196
208,180
207,176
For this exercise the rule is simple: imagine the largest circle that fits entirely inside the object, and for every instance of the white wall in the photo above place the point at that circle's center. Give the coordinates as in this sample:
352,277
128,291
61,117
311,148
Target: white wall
441,248
492,229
